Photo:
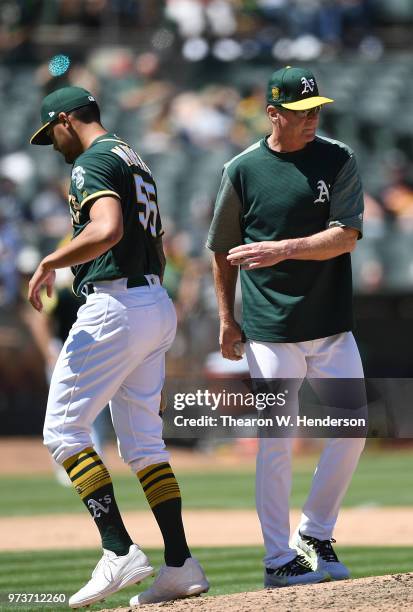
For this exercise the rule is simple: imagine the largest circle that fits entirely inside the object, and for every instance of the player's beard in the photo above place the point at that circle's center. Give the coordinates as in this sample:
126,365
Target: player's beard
68,156
69,159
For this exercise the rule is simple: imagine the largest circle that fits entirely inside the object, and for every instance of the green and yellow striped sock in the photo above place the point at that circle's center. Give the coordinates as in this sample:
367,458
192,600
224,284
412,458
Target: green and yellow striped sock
93,483
164,497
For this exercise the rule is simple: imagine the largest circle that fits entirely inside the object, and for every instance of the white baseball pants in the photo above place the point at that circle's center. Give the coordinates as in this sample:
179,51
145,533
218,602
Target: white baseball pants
115,353
332,357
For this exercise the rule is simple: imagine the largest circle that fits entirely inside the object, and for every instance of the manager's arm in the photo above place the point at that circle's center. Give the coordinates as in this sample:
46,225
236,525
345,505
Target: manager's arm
225,280
327,244
224,233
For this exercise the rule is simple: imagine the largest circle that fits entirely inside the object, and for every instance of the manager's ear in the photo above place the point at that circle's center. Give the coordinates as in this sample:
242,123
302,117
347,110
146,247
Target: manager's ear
273,113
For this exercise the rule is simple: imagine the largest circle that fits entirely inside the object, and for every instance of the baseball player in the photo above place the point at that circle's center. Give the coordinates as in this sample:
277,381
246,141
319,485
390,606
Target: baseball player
115,351
288,212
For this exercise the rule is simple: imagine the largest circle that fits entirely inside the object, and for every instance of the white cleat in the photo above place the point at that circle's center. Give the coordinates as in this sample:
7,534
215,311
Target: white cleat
174,583
111,574
321,555
297,571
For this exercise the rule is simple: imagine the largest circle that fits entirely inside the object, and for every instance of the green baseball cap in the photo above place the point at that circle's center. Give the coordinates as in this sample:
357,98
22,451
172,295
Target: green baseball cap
295,89
63,100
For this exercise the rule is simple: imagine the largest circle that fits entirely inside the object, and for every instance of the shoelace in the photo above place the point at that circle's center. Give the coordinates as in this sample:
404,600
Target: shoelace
296,567
323,548
104,565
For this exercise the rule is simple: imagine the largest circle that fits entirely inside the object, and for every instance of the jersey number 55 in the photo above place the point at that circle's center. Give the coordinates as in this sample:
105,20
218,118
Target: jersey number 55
146,196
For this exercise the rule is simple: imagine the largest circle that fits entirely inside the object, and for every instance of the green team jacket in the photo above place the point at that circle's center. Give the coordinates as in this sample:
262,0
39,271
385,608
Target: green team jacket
266,195
110,167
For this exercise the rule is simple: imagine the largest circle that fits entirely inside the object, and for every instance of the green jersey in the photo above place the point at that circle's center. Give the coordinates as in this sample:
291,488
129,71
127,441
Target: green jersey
109,167
266,195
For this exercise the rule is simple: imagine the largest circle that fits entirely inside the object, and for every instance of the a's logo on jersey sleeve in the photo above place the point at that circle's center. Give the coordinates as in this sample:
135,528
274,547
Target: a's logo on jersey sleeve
323,193
78,175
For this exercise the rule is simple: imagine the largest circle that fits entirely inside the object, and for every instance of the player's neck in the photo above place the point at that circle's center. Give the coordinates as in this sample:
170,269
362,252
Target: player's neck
89,133
278,143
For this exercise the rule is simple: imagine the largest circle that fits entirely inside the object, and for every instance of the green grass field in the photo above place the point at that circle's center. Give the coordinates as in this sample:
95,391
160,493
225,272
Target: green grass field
230,570
381,479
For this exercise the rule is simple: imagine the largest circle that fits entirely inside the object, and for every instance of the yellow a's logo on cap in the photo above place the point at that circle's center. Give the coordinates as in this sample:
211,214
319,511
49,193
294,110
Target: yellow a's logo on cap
275,91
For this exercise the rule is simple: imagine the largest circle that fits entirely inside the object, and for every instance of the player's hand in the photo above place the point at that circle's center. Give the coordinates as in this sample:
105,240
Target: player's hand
258,254
229,334
43,277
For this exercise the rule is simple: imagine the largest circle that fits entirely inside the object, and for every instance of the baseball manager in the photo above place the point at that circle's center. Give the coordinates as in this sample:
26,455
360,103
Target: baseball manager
288,213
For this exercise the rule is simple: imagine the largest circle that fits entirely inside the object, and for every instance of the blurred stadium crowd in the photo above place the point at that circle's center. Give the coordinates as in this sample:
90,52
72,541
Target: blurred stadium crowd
228,29
183,81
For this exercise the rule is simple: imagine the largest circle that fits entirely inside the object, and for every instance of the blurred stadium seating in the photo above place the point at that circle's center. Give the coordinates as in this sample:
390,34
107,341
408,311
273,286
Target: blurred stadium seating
185,85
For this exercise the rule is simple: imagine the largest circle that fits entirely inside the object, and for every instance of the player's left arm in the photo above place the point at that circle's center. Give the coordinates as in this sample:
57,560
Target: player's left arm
104,230
344,229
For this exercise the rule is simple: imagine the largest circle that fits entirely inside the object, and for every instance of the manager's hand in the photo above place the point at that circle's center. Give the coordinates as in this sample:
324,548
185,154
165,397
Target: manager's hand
229,334
258,254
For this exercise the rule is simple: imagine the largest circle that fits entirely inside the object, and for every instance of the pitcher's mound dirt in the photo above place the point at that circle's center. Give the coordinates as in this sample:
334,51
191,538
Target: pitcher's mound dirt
382,593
